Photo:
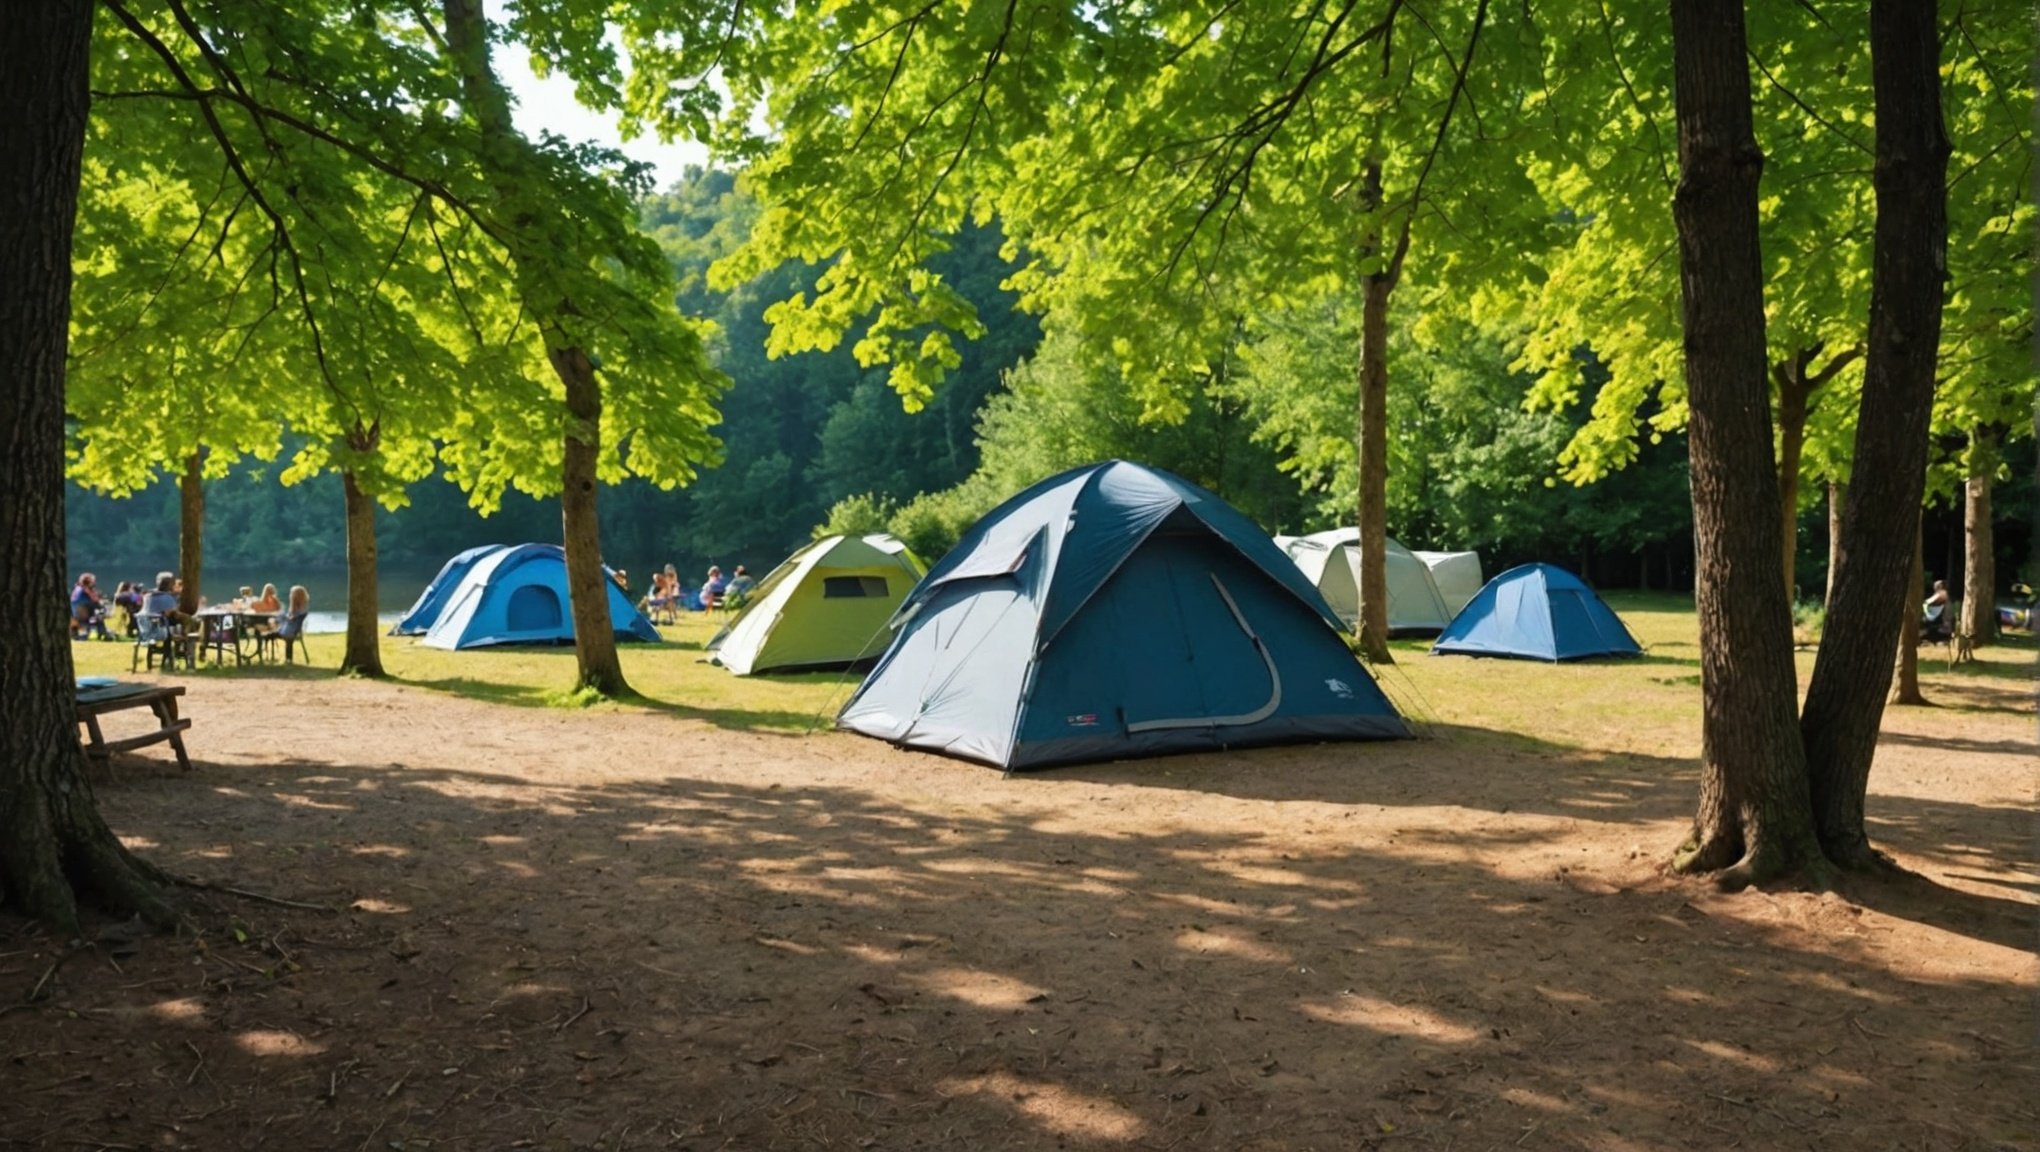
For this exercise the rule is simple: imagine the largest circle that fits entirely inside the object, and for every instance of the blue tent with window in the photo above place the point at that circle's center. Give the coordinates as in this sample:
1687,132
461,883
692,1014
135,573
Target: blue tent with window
418,620
1537,612
1114,611
518,595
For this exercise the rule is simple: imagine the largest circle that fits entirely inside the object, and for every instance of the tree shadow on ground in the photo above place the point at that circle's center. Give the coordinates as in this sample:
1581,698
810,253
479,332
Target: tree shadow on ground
1519,774
1095,961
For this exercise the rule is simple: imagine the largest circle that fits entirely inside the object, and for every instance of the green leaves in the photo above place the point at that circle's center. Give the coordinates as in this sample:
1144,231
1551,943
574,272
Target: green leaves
292,220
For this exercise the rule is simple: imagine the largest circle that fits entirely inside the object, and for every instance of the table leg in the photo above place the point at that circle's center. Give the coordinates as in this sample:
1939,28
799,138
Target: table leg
166,713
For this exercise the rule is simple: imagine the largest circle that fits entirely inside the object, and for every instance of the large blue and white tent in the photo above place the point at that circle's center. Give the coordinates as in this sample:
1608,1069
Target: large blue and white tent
418,620
1537,612
1115,610
518,595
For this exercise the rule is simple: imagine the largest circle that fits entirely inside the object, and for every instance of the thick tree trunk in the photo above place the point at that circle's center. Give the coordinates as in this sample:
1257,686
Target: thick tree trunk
1837,493
1754,818
364,636
1845,702
191,528
1979,558
54,847
594,634
1371,439
587,583
1905,667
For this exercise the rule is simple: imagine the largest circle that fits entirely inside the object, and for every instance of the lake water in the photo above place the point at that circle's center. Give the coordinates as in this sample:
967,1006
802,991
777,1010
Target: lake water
396,589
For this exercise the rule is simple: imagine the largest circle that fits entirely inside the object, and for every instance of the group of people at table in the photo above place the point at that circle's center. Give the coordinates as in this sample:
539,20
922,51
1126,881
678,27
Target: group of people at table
667,597
144,612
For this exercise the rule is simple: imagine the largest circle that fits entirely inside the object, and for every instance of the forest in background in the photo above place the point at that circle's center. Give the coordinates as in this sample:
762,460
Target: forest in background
816,441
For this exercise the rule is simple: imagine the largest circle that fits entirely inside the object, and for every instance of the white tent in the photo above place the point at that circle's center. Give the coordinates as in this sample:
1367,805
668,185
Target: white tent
1457,575
1332,561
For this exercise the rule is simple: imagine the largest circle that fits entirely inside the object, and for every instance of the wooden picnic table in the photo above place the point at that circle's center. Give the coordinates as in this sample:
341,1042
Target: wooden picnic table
97,701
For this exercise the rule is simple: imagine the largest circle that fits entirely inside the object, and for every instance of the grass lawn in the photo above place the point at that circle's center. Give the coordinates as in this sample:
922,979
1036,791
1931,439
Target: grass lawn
1648,706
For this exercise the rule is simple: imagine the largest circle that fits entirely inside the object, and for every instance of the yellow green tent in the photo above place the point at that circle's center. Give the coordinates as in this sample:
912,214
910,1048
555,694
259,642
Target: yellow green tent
827,606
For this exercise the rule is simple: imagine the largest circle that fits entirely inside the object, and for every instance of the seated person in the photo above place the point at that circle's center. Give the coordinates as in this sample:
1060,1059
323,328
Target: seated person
127,602
290,628
712,588
88,612
741,584
267,602
1934,622
164,600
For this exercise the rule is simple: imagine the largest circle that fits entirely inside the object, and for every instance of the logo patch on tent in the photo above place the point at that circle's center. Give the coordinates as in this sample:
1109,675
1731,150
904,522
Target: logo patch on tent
1339,688
1082,720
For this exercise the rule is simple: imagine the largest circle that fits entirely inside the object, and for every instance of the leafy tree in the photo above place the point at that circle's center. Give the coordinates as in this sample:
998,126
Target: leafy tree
364,84
1245,160
54,844
598,294
1779,796
1755,819
1845,701
1062,410
1470,465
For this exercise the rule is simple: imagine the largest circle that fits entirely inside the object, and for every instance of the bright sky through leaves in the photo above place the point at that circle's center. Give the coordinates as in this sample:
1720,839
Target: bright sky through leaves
548,105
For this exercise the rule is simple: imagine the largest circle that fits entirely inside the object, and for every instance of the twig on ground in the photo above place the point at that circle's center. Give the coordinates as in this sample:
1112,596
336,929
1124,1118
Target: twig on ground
195,1067
36,993
243,893
569,1021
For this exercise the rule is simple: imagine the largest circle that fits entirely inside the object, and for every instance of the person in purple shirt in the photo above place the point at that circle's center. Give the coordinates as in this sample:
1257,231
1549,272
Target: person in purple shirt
88,612
712,588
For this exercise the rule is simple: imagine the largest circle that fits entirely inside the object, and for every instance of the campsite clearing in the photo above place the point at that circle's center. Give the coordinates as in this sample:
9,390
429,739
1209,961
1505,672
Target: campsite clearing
653,927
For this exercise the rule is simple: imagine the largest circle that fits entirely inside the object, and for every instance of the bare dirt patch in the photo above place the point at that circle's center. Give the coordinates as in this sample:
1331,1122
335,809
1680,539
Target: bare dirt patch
625,929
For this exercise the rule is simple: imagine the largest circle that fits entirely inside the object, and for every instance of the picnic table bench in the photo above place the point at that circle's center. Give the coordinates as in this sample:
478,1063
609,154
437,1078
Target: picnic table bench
97,701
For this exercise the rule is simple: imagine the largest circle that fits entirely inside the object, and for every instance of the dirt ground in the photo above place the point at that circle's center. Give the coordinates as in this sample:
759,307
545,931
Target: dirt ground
571,929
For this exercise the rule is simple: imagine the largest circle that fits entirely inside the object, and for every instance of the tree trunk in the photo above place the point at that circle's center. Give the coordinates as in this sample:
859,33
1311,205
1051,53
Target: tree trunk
1905,669
1837,493
364,636
1754,818
191,529
587,583
1372,431
1845,702
54,847
1979,559
1792,396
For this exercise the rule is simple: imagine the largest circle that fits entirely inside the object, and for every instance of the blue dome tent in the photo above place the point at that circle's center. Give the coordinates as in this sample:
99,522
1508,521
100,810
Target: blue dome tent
1537,612
1113,611
418,620
518,595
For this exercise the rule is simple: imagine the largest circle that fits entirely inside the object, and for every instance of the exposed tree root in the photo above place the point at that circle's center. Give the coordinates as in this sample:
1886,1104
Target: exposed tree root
1702,854
260,898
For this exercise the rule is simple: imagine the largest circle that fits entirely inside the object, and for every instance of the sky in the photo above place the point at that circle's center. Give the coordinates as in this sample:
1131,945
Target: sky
549,105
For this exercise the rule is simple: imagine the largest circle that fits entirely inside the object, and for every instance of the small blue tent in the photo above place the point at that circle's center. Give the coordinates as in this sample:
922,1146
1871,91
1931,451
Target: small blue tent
432,601
1537,612
518,595
1115,611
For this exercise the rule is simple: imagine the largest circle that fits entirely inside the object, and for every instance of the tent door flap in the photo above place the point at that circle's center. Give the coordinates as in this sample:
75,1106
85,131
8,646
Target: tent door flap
1254,717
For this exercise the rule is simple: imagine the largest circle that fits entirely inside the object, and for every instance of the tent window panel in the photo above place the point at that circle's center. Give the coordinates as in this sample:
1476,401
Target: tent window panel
852,587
